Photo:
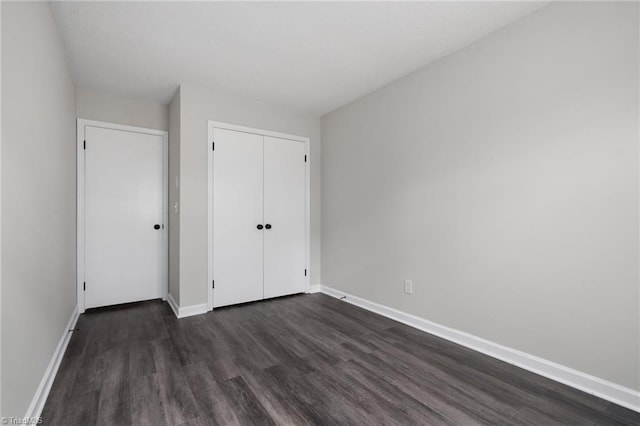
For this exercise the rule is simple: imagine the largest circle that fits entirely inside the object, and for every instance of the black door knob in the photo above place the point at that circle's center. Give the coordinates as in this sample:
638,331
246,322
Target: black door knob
268,226
156,226
259,226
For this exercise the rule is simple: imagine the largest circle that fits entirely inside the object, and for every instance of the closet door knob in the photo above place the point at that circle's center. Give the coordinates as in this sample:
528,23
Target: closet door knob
259,226
156,226
268,226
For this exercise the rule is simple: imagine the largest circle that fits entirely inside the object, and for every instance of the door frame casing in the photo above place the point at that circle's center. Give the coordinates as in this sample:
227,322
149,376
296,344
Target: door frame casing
307,189
80,202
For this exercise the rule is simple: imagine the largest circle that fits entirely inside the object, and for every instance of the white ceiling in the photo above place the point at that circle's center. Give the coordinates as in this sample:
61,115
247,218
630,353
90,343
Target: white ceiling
310,57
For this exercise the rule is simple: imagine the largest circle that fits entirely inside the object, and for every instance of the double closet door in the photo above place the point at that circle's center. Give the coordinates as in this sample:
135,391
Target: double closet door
259,248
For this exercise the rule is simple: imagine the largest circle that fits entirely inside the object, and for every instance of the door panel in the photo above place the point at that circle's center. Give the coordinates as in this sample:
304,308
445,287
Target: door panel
284,210
237,210
123,202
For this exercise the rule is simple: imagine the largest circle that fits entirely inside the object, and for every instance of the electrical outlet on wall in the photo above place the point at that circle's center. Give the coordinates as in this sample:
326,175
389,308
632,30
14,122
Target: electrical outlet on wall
408,286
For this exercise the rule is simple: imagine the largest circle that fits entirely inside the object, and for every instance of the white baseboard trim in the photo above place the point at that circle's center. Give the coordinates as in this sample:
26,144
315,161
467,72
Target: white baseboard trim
187,311
601,388
315,288
40,397
174,306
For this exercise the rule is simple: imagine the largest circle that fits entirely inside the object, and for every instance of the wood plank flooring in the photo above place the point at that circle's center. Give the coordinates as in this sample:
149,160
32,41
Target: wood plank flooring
306,359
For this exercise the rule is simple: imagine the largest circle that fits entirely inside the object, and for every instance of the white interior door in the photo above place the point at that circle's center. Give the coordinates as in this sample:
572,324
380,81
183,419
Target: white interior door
237,212
284,214
123,202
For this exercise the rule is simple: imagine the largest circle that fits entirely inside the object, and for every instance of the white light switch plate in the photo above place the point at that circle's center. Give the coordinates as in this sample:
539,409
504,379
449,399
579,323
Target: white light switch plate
408,286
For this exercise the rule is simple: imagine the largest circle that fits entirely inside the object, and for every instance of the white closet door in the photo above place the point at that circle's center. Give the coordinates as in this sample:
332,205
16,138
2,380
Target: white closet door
123,202
284,213
237,211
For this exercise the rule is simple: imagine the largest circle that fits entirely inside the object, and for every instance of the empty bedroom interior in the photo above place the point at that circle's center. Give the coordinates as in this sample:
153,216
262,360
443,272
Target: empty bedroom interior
467,183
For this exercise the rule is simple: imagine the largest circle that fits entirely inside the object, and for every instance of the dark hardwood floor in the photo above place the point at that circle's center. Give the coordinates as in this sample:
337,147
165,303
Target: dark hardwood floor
306,359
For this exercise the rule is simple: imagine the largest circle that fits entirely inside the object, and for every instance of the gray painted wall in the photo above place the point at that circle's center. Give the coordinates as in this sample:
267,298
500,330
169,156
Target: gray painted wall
95,105
503,180
38,199
174,197
198,105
